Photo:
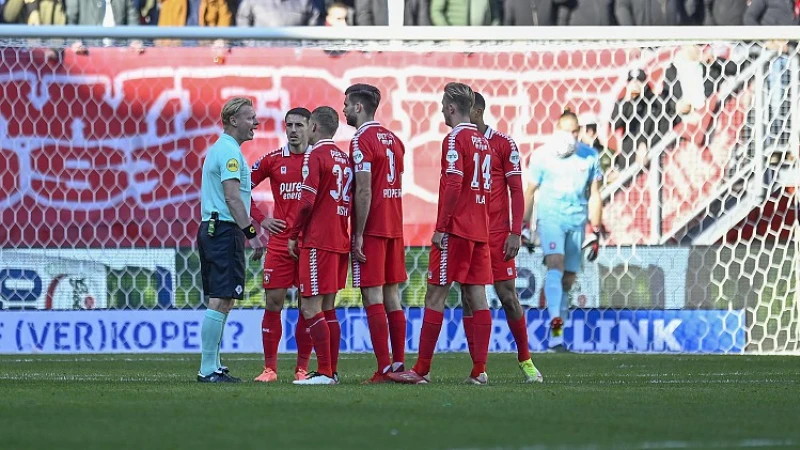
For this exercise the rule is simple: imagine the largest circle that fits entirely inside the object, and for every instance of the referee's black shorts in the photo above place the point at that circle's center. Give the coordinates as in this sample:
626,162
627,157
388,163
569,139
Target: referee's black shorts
222,260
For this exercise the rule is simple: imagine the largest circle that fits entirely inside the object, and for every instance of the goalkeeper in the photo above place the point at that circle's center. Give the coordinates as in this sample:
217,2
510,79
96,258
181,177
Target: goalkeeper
564,171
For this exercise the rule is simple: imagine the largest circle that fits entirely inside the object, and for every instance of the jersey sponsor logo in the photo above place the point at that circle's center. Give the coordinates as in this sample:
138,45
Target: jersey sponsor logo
232,165
480,143
290,191
358,156
385,138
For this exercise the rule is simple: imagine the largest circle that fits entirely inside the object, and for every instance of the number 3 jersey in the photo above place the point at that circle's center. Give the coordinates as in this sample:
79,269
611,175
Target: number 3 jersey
327,182
466,155
377,150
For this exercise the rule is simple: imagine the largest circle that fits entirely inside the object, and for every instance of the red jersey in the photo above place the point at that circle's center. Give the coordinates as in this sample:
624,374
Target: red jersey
377,150
284,170
464,186
505,165
324,211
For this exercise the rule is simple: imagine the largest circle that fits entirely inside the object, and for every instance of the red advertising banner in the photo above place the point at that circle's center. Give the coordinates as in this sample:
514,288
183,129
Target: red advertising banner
105,150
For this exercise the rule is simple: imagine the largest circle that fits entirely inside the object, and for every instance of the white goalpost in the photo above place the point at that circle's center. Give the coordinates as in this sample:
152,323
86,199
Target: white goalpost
100,156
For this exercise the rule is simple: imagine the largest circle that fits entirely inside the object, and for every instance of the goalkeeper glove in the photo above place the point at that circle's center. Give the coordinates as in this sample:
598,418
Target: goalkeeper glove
527,237
592,242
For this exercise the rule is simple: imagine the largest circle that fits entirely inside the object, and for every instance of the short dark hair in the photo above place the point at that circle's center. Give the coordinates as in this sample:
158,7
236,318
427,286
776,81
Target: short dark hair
480,102
366,94
327,118
302,112
460,95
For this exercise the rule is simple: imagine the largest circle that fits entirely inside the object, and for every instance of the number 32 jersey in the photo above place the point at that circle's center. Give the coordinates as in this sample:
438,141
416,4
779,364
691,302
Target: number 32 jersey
377,150
328,175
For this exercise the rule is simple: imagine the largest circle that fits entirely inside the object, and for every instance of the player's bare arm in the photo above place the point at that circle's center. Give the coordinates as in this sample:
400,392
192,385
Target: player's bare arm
596,221
513,241
595,205
362,204
234,201
530,192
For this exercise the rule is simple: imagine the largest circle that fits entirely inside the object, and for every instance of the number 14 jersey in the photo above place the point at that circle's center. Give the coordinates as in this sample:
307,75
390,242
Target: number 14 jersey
466,154
377,150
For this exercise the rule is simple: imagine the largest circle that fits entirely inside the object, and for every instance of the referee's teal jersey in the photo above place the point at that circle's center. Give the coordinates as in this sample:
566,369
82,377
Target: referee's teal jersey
224,161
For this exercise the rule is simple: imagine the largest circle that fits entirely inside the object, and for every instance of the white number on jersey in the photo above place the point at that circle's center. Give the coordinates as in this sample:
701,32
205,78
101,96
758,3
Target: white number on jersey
392,170
344,177
485,170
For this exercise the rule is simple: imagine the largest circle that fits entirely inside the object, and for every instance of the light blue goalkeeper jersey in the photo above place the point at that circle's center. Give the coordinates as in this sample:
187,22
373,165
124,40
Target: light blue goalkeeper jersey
564,184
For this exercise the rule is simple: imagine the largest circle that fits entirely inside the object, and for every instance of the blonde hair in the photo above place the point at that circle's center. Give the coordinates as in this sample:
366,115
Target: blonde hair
232,107
460,95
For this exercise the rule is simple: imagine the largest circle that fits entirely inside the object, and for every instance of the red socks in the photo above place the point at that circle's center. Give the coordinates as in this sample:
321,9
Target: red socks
431,327
397,333
335,336
469,332
271,332
482,325
519,328
379,333
321,336
304,345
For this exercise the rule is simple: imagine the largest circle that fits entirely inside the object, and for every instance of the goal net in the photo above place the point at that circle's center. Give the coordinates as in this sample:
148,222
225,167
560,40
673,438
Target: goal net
101,154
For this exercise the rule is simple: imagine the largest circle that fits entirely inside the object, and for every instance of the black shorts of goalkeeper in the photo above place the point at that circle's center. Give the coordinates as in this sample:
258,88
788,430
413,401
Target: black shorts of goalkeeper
222,261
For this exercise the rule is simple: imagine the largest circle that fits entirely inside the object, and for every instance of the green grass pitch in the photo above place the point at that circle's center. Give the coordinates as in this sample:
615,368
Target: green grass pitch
587,402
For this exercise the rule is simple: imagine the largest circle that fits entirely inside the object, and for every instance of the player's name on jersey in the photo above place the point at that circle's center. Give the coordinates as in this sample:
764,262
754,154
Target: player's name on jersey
337,156
392,193
290,191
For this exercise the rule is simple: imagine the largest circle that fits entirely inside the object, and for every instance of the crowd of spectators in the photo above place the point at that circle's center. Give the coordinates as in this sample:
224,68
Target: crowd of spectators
275,13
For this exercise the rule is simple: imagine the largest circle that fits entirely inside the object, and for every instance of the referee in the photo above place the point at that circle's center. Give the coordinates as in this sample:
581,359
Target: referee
225,201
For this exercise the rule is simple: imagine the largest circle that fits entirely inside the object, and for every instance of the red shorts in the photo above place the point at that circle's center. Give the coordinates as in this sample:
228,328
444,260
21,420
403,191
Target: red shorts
461,260
502,270
280,269
322,272
386,263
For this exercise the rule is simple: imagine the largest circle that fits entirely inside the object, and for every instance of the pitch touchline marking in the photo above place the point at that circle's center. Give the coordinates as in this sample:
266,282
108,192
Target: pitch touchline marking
657,445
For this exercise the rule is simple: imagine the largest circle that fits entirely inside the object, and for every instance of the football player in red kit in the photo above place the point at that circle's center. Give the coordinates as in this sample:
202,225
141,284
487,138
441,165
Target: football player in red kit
504,236
283,168
460,250
323,217
379,258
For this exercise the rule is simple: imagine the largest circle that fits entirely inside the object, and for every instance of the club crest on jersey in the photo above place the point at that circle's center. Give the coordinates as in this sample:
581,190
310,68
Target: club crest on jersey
305,172
283,170
358,156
